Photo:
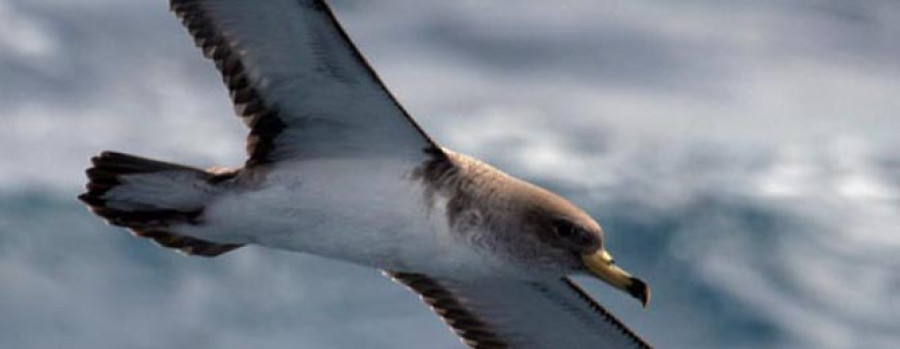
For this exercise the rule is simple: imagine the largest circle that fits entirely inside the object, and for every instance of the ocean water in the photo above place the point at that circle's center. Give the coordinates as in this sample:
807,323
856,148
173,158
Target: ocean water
742,159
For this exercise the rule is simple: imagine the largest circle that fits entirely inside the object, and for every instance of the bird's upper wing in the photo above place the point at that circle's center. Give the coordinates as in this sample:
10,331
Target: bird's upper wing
298,82
516,314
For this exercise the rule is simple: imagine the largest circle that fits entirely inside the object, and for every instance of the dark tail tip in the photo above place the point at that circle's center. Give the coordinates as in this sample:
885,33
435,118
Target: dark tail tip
147,219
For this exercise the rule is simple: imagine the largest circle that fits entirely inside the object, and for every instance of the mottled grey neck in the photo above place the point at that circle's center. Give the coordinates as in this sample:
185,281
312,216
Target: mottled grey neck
492,210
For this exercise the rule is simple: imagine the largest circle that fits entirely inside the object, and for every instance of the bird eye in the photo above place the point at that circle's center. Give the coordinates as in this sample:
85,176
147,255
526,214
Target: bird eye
566,230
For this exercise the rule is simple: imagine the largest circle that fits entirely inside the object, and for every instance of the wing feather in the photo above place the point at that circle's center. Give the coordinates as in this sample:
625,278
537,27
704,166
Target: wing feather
298,81
492,314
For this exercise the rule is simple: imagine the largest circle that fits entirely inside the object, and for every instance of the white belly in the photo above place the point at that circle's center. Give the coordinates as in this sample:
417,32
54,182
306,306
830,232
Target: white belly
370,212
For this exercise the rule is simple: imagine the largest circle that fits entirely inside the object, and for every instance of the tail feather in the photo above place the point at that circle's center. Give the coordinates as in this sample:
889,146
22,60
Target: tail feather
150,197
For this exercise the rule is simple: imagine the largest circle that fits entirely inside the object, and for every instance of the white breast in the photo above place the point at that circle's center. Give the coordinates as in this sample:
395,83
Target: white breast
370,212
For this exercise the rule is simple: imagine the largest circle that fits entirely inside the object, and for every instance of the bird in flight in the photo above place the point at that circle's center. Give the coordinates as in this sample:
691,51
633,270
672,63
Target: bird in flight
338,168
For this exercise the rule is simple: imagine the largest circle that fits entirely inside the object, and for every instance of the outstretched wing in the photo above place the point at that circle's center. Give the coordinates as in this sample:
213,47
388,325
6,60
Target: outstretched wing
514,314
298,82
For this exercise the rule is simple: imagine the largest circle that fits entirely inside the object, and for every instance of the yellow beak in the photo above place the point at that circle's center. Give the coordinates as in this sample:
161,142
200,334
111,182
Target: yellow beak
601,265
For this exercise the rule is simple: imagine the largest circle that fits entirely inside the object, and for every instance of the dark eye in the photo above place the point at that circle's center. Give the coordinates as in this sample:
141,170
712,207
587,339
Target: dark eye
566,230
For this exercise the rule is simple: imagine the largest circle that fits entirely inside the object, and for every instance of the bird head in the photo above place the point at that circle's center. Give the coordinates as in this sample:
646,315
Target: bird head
578,239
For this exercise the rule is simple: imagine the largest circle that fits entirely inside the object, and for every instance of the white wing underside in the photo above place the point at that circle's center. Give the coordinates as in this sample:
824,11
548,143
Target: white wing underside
298,81
515,314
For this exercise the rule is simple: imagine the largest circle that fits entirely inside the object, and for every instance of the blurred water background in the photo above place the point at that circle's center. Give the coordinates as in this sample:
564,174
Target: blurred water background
743,157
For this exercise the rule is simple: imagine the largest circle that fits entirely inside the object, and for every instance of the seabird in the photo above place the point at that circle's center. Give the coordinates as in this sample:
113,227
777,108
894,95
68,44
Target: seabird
338,168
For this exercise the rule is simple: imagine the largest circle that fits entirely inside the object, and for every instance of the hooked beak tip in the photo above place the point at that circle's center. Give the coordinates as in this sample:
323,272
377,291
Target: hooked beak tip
601,265
639,289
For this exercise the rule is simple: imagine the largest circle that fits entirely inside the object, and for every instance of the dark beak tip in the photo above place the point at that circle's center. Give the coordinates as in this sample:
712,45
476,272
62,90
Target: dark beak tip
639,289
